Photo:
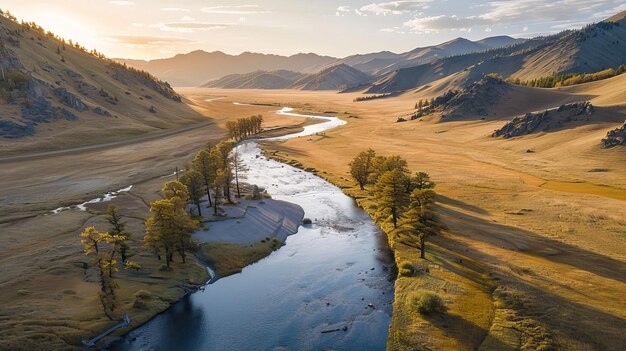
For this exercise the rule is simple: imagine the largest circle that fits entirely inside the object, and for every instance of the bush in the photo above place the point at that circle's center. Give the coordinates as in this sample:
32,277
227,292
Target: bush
427,302
275,244
165,268
143,294
406,269
307,221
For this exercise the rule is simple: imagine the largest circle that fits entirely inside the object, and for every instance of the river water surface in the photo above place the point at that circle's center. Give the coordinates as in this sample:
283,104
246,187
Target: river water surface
329,288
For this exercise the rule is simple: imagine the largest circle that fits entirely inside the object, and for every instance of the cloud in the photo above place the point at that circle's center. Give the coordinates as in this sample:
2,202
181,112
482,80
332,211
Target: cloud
122,2
434,24
189,26
234,9
343,10
146,40
560,14
396,7
175,9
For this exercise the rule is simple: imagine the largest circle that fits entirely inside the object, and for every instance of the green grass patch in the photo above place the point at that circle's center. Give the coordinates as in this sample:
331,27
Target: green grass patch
231,258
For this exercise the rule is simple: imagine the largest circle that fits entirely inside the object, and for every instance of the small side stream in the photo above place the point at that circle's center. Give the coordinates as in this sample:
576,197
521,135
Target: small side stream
329,288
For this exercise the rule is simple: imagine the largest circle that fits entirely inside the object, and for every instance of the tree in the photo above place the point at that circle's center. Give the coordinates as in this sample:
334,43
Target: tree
383,164
421,181
227,177
207,167
361,167
118,228
420,219
217,178
237,166
391,196
169,227
175,189
193,180
91,239
223,152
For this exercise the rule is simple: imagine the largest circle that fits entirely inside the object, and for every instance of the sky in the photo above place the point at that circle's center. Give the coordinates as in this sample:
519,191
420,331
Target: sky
148,29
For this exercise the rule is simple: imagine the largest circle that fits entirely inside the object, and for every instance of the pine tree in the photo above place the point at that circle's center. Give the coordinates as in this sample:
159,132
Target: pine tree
391,196
193,180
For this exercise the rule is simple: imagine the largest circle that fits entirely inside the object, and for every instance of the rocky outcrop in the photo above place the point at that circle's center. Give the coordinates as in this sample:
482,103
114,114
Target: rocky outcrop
615,137
11,129
102,112
546,120
70,99
35,109
475,99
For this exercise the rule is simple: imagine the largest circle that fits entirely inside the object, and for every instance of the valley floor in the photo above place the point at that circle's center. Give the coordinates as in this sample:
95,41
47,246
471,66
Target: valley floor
49,295
533,257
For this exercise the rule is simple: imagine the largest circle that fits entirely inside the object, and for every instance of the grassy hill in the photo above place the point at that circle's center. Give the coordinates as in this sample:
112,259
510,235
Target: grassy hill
55,95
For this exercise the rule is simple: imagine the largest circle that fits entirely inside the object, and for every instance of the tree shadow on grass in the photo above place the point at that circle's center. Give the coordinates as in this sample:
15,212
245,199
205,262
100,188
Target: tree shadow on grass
576,324
515,239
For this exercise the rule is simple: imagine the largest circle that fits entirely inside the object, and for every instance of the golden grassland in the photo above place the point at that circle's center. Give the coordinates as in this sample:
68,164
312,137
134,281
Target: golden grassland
533,255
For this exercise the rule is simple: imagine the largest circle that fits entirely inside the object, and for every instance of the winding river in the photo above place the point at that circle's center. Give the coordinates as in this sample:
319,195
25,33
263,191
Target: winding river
329,288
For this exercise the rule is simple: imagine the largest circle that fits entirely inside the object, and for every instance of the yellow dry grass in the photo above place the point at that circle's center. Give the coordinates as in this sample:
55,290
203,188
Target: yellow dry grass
540,234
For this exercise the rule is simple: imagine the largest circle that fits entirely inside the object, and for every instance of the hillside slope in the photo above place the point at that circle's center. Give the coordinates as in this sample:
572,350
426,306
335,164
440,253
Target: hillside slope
593,48
333,78
55,95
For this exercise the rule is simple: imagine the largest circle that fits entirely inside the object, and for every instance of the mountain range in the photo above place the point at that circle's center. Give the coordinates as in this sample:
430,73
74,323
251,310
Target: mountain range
338,77
458,63
198,67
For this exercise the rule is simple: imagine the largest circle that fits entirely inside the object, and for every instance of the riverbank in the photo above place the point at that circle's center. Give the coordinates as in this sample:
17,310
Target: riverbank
472,296
252,230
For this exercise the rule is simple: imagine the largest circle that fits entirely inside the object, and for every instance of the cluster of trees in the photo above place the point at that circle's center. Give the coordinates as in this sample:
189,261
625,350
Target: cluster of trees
245,127
563,80
105,248
403,201
170,225
169,228
372,97
212,174
424,103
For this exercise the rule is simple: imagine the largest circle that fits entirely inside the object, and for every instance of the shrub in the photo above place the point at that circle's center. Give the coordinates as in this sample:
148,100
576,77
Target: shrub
307,221
275,244
164,268
406,269
427,302
143,294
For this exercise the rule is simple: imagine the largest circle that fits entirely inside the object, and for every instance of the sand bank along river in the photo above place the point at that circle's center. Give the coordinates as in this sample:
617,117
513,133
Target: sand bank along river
329,288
